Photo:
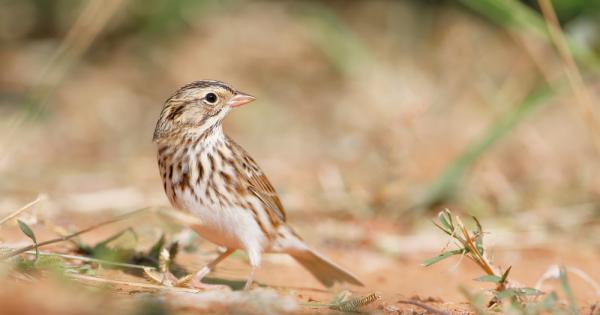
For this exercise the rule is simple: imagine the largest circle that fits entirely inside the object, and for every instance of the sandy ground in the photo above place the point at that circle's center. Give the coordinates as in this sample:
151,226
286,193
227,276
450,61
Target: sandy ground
394,276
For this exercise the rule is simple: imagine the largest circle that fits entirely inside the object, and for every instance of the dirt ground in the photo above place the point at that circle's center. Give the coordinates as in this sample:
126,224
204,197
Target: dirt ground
386,261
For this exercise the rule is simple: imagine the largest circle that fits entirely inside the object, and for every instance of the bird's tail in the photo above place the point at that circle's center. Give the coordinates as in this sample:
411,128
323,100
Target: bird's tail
327,272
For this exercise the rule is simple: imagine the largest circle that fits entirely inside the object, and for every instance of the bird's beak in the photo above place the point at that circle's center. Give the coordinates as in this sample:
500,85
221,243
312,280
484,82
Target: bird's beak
240,99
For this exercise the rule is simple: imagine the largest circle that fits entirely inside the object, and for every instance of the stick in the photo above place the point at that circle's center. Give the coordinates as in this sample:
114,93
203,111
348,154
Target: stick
90,259
70,236
132,284
582,94
25,207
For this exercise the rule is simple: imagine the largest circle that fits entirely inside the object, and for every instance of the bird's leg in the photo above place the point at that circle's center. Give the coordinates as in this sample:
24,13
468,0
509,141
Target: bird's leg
250,278
254,257
197,279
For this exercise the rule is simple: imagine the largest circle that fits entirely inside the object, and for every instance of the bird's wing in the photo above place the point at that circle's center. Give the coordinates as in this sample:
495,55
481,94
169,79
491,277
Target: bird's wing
257,182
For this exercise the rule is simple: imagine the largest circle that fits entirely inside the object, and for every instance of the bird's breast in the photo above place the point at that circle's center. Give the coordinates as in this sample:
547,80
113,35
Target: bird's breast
202,180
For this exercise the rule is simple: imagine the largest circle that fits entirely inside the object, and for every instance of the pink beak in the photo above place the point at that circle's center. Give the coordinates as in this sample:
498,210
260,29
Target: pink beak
240,99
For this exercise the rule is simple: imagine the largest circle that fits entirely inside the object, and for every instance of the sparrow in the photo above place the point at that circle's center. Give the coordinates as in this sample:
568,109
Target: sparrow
207,174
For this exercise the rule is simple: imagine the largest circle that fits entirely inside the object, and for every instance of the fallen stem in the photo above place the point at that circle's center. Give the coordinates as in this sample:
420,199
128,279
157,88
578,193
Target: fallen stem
132,284
70,236
90,259
582,94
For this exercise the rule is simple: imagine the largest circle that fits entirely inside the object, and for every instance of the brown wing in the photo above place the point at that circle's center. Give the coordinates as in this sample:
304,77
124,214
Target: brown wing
257,181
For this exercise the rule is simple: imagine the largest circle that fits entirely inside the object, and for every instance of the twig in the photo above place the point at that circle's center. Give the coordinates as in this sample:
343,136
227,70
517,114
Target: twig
70,236
93,18
90,259
574,77
424,306
25,207
132,284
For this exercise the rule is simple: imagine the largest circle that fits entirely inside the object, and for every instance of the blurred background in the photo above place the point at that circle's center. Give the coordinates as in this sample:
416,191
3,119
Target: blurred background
371,116
366,109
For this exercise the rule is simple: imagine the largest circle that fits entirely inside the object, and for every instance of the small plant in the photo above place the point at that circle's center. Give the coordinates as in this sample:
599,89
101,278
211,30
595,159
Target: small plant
29,232
470,244
509,297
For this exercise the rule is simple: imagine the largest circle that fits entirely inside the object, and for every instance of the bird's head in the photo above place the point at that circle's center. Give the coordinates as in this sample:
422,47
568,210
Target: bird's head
197,107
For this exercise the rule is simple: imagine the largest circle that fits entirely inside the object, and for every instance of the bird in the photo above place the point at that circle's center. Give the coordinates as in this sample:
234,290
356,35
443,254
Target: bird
208,175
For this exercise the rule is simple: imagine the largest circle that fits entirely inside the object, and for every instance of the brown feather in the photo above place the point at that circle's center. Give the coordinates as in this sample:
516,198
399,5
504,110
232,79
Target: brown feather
257,182
326,271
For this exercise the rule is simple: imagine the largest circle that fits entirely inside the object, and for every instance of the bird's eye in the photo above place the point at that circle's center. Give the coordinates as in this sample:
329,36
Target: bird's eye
211,97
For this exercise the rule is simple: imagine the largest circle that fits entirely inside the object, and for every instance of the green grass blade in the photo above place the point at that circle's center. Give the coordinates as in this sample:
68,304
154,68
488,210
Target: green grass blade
442,256
489,278
505,275
515,14
444,187
343,48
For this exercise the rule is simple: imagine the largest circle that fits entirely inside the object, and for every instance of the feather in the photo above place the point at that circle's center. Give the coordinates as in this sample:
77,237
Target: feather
257,182
326,271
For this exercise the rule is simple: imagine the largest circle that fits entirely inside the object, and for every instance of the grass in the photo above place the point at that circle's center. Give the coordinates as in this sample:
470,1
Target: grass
508,295
516,17
445,186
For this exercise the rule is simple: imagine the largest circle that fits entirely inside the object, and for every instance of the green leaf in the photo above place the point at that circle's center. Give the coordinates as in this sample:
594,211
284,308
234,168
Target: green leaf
505,275
446,184
116,236
113,253
490,278
446,219
509,293
449,232
29,232
443,256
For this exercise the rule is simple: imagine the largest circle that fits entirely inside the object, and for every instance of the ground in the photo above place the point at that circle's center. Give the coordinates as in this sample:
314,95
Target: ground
387,260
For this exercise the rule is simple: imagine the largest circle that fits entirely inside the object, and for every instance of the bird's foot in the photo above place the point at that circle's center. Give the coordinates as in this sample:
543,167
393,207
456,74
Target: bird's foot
196,284
250,280
196,281
162,278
